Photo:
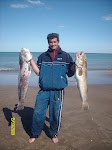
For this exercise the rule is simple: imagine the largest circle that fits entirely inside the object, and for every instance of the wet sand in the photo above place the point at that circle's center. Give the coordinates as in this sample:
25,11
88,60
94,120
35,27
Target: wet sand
80,130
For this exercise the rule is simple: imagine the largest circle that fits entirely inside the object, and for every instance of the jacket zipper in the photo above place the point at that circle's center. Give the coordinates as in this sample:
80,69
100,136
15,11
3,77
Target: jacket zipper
54,54
52,74
52,70
52,67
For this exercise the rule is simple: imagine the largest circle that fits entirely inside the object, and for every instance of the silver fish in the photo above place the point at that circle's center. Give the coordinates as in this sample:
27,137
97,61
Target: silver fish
24,75
81,78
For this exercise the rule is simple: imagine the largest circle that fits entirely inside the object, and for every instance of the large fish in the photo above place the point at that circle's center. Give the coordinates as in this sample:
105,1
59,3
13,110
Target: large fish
81,78
24,75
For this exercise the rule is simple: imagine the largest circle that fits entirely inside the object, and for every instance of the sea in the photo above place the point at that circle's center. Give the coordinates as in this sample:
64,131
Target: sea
99,68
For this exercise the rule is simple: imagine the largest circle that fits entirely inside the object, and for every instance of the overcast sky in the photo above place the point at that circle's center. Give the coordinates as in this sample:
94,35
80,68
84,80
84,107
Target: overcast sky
83,25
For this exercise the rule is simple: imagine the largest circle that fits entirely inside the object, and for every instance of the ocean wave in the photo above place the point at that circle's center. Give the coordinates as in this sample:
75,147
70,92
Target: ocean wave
8,69
89,69
99,69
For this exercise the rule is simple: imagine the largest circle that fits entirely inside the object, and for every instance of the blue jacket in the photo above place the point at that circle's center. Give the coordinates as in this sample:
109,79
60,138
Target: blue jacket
53,74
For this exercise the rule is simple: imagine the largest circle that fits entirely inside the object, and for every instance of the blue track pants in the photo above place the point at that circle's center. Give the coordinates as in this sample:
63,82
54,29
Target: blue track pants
55,101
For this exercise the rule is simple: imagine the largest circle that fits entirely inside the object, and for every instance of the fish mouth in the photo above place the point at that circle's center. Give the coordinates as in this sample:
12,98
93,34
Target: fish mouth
80,54
80,57
25,55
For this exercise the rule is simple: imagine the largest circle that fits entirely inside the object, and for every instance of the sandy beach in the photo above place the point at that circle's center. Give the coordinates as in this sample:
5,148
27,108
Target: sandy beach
87,130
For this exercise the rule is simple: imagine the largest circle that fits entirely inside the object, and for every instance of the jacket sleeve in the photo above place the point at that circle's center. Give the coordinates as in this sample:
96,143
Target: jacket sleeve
39,61
70,62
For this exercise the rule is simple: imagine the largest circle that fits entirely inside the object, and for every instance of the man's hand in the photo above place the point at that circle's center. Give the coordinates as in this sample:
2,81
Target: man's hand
31,56
34,66
73,69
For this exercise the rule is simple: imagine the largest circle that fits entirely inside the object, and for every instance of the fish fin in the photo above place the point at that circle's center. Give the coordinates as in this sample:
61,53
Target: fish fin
76,82
19,59
85,62
80,71
29,69
20,107
85,105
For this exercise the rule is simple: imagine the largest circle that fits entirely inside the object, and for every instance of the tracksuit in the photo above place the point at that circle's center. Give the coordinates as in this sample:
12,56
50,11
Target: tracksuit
52,81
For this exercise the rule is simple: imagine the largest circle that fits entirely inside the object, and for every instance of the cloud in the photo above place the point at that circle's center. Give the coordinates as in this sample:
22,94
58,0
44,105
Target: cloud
19,6
35,2
48,8
108,18
61,26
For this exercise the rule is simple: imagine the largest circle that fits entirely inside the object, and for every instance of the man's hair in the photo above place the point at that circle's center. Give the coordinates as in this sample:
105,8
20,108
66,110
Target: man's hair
52,36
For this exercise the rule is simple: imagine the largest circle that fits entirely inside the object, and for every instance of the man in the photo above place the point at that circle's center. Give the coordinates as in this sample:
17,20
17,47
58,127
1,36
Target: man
53,66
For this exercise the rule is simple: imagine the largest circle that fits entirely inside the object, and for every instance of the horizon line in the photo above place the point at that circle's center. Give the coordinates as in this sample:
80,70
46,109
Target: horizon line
66,51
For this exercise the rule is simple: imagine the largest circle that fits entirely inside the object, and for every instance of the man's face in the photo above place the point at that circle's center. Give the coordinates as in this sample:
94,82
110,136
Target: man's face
53,43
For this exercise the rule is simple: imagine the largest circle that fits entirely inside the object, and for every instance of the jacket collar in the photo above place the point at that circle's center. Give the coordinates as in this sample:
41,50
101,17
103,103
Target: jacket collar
59,52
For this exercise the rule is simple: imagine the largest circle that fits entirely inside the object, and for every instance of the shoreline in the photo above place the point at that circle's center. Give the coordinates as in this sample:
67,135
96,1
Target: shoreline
92,69
94,77
91,129
69,86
